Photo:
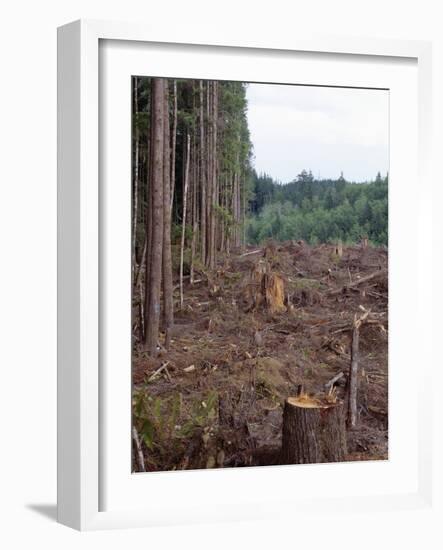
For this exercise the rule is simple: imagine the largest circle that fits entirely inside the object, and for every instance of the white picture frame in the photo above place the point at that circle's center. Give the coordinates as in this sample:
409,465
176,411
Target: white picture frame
83,400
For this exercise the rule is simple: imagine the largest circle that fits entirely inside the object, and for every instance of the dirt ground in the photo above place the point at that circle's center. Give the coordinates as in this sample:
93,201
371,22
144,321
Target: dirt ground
215,399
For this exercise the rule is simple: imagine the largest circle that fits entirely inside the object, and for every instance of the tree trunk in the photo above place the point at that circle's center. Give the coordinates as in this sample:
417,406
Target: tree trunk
238,210
244,218
168,306
313,431
138,283
148,216
209,166
136,177
202,178
353,377
174,140
213,173
222,224
193,216
154,259
138,270
185,195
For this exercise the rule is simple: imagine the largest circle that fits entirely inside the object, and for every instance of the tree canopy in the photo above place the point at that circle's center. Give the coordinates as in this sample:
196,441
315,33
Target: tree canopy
318,211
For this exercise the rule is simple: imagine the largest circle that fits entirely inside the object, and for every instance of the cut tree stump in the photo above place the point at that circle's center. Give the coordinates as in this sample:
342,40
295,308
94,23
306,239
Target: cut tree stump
274,292
339,249
313,430
264,288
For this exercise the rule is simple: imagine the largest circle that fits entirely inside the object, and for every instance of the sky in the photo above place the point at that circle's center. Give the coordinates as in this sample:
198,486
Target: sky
326,130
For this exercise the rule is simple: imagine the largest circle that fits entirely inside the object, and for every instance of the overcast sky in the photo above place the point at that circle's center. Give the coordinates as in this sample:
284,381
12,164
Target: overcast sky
326,130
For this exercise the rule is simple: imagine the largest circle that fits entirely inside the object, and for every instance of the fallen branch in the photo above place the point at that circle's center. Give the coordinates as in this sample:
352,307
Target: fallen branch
377,410
357,282
347,328
159,370
249,253
334,379
138,447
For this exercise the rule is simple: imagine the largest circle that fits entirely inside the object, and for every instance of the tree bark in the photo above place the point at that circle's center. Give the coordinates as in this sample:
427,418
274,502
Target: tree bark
142,300
244,218
168,306
140,266
209,166
154,258
148,216
313,431
174,140
136,177
202,178
185,194
193,216
353,377
213,173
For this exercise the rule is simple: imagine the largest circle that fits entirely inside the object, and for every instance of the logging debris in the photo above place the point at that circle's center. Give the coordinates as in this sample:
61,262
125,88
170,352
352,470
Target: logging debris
267,322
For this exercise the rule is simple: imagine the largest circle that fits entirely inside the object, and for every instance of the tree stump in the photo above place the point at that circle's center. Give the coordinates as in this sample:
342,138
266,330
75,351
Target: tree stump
274,292
264,288
339,249
313,430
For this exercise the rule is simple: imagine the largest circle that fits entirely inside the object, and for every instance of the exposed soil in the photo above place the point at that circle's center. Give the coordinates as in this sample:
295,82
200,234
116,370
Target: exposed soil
218,400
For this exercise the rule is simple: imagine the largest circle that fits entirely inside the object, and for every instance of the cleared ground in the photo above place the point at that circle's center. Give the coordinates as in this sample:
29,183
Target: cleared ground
215,398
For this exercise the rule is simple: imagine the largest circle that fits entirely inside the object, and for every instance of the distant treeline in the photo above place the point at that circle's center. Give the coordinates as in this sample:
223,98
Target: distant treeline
318,211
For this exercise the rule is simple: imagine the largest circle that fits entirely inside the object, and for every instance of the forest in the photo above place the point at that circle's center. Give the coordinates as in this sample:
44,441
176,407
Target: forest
318,211
258,307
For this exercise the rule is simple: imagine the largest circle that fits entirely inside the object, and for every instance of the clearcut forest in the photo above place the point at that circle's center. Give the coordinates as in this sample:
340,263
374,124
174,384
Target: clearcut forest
259,307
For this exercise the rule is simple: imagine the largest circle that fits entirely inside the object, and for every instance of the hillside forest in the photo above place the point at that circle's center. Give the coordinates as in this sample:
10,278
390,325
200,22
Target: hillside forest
259,307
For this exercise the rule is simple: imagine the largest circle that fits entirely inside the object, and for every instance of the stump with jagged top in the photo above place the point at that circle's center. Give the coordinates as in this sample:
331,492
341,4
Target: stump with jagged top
264,288
313,430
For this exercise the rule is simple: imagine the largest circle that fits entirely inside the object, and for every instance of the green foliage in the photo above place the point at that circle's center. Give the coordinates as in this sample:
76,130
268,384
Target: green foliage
313,210
176,233
165,423
318,211
224,215
175,251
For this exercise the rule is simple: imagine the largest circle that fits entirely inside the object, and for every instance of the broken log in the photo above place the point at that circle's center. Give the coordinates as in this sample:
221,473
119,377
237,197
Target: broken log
379,273
249,253
330,383
313,430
